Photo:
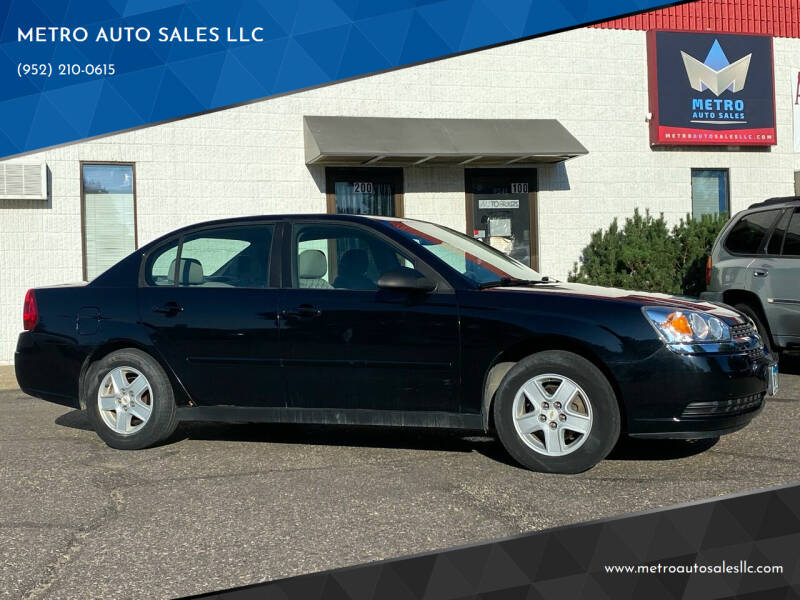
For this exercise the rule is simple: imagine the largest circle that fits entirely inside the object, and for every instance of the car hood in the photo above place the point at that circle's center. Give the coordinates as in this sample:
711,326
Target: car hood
581,290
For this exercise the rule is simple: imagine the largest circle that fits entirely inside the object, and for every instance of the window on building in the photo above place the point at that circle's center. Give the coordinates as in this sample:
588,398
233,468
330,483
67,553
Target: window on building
109,215
365,191
748,234
710,192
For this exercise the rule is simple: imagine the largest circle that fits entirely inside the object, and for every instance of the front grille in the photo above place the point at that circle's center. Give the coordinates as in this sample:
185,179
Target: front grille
742,330
724,408
756,353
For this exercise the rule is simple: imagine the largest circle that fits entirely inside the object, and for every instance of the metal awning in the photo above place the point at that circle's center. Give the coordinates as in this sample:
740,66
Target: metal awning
385,141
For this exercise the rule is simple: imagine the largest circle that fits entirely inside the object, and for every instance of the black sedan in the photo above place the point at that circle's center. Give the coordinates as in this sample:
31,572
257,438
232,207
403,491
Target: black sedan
377,321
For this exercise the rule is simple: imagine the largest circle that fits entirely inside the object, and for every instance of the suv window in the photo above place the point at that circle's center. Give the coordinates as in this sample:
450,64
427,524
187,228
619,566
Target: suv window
791,244
226,257
342,257
746,236
775,242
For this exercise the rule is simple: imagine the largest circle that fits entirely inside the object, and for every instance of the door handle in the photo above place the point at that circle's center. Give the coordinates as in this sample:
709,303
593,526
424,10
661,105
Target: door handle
304,311
760,273
169,309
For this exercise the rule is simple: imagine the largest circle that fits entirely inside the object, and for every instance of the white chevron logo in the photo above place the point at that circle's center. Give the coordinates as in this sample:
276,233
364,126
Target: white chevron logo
732,76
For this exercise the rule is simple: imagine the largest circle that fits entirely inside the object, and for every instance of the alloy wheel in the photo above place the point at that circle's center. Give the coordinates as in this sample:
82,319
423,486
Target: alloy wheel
125,400
552,414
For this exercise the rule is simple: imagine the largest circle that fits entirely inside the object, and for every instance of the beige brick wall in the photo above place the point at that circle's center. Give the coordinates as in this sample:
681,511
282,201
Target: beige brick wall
250,159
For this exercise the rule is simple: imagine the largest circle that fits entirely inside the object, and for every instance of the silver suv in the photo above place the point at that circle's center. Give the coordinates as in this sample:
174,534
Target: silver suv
755,267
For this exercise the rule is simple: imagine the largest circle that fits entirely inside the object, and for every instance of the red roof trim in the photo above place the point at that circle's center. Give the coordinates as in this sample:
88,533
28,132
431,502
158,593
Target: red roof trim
779,18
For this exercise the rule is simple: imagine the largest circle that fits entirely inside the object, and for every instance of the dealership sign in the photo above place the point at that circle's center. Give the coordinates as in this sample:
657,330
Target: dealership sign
711,89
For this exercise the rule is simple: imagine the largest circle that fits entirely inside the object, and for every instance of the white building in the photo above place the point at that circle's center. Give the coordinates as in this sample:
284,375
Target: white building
252,159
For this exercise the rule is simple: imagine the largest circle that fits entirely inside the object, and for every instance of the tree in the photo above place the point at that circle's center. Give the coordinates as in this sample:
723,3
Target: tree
645,255
695,239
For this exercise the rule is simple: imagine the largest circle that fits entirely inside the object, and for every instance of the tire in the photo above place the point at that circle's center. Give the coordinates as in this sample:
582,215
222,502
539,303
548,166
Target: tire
114,381
763,332
592,408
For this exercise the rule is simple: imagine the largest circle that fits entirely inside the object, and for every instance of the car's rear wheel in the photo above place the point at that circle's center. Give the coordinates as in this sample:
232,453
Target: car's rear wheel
129,400
763,332
556,412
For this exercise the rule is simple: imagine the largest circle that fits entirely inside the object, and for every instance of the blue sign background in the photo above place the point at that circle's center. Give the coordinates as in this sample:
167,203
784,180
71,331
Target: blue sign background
305,43
675,94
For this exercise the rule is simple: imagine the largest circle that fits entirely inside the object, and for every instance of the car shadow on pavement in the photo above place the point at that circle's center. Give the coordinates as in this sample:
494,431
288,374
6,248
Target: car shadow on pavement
392,438
330,435
659,450
789,364
75,419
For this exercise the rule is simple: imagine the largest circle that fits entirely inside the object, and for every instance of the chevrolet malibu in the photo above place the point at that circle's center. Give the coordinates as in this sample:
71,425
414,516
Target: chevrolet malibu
393,322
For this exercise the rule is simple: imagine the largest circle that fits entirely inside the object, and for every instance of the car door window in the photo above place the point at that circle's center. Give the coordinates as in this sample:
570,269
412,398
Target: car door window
749,232
158,269
342,257
791,243
226,257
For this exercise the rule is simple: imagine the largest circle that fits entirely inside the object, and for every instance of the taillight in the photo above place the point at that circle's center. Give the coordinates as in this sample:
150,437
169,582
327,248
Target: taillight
708,271
30,312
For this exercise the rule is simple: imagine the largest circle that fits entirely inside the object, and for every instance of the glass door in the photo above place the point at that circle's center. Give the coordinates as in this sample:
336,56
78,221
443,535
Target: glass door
501,211
365,191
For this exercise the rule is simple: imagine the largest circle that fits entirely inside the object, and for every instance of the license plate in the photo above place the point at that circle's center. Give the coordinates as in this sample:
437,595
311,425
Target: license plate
772,379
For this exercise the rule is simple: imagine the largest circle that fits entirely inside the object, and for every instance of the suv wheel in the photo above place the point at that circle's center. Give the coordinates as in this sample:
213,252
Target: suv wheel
129,400
556,412
763,332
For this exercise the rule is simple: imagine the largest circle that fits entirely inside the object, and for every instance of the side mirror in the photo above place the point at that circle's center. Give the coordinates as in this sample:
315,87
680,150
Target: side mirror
408,280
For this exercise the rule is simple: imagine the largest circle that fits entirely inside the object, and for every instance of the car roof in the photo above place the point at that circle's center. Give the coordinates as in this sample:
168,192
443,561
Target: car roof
292,217
286,217
280,217
780,201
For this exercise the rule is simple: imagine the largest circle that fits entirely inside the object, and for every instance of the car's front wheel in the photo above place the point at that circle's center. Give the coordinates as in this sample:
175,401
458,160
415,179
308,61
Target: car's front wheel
556,412
129,400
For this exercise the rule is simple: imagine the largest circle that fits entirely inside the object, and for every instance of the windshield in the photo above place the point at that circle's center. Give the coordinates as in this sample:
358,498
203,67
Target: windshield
474,260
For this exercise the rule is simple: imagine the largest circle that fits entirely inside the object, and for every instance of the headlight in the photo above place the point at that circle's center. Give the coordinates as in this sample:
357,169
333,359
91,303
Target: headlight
687,326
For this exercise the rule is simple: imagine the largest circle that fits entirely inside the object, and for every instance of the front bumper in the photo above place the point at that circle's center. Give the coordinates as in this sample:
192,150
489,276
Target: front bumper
673,395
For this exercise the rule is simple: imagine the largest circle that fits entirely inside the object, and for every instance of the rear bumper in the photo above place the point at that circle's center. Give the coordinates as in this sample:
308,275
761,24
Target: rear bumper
672,395
47,370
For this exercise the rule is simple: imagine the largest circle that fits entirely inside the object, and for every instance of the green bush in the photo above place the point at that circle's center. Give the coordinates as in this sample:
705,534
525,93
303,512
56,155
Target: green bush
645,255
695,237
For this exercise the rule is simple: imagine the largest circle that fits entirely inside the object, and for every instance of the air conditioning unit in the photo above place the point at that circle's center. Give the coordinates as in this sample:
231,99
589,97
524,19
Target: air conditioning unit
23,181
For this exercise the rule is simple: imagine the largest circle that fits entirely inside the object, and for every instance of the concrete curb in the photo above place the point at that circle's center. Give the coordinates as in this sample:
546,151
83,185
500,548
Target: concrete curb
8,380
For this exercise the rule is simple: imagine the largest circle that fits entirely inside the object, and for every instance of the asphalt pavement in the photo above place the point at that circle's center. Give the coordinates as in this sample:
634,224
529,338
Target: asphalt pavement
228,505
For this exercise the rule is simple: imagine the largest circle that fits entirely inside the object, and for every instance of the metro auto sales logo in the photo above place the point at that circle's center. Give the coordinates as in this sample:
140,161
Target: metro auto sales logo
717,75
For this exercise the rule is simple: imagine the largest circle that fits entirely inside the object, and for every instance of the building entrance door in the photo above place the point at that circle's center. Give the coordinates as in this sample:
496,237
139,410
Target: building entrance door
501,211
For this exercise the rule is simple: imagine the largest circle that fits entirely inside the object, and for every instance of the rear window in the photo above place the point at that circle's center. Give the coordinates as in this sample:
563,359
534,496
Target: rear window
747,235
791,243
775,242
159,269
236,256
